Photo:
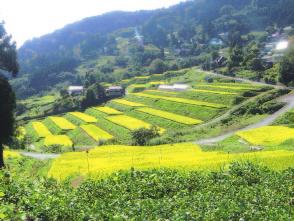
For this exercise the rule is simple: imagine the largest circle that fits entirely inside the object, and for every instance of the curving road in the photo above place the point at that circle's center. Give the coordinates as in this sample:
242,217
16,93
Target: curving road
245,80
288,99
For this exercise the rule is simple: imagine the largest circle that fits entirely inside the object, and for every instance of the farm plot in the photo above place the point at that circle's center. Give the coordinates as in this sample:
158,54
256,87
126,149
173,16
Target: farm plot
203,95
214,92
170,116
83,117
268,135
122,135
128,103
108,110
181,100
184,156
40,129
230,87
61,140
58,125
193,111
96,133
130,122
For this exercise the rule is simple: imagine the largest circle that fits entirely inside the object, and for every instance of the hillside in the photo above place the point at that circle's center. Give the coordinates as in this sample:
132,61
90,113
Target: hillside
182,113
118,45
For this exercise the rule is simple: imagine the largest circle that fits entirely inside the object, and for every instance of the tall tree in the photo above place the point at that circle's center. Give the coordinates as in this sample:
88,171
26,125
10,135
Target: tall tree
8,63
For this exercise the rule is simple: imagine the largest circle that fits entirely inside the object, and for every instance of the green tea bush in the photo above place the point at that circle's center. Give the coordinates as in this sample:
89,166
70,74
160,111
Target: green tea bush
242,192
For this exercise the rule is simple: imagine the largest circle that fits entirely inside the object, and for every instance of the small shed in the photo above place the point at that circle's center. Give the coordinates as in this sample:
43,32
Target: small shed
75,90
114,91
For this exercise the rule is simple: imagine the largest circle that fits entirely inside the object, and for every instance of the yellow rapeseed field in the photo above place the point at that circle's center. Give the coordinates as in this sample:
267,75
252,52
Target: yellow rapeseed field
181,100
105,160
62,140
170,116
156,82
12,154
225,86
62,123
268,136
130,122
41,129
84,117
128,103
214,92
108,110
96,133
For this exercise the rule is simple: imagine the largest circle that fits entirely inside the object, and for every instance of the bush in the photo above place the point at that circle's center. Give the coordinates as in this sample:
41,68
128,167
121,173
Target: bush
143,135
154,195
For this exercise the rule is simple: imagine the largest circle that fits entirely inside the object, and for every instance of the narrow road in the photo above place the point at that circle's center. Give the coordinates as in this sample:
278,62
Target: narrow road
230,111
288,99
40,156
245,80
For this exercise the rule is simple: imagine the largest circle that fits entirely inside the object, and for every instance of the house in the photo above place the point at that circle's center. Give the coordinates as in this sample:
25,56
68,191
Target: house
219,61
174,87
75,90
216,42
115,91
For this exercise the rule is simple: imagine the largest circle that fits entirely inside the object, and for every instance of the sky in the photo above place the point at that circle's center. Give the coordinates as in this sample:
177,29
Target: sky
26,19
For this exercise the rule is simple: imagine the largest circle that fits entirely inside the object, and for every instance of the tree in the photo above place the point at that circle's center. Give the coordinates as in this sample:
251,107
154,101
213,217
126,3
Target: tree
287,68
157,66
143,135
236,57
8,62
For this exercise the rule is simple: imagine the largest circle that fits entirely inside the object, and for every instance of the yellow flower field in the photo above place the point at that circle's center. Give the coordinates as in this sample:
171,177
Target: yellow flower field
214,92
62,140
130,122
108,110
162,92
96,133
11,154
128,103
156,82
186,156
268,136
170,116
41,129
225,87
62,123
181,100
142,77
84,117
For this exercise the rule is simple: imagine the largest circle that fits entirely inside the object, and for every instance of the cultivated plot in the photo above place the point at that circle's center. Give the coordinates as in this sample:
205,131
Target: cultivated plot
170,116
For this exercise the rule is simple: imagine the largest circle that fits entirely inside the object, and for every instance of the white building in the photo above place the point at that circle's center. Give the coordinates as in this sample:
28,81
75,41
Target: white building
75,90
174,87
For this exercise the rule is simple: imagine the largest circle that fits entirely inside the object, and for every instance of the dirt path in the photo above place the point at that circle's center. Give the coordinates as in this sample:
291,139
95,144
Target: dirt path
288,99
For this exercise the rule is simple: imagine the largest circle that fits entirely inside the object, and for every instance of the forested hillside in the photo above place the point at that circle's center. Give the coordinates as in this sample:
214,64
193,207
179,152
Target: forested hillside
120,45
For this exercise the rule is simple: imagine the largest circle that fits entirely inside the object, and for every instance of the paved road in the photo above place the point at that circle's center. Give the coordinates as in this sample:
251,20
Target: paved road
289,99
244,80
40,156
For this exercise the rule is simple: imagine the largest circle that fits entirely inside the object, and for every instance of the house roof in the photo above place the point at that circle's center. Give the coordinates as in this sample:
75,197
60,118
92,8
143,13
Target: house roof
75,88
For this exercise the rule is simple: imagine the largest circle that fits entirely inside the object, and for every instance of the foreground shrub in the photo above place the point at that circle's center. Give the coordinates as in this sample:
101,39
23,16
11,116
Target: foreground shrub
243,192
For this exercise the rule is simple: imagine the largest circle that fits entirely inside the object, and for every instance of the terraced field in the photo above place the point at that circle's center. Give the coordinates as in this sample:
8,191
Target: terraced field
96,133
181,100
268,136
174,117
114,122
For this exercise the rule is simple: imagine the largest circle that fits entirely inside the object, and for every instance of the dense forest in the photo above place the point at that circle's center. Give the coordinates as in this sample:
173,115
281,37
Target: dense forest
120,45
